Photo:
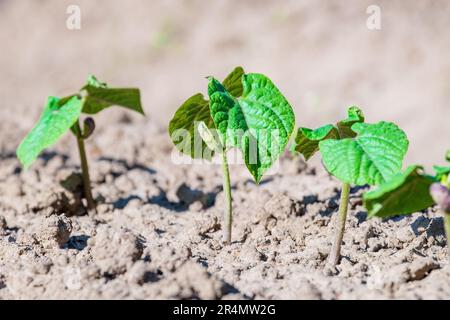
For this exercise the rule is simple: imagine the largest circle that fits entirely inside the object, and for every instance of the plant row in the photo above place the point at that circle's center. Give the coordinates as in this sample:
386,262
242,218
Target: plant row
248,112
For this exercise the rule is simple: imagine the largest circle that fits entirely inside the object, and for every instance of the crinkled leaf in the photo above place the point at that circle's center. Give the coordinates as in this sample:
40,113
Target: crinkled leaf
233,82
405,193
99,97
53,123
227,115
354,115
183,128
259,122
374,156
307,140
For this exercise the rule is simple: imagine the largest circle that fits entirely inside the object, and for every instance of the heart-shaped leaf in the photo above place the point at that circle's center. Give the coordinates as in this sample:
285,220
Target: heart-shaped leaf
53,123
306,141
373,157
259,122
405,193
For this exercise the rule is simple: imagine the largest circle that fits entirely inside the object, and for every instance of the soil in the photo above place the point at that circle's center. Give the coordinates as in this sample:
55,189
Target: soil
157,230
157,233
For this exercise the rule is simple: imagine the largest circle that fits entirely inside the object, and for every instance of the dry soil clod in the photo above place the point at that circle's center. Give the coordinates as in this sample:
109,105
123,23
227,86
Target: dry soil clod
54,231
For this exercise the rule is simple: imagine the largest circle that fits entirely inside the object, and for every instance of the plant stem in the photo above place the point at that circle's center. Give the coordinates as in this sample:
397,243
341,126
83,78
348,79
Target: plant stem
84,168
228,214
447,229
343,206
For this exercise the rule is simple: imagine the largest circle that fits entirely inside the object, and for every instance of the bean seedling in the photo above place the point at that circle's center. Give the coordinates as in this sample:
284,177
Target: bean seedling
245,111
355,153
60,115
412,191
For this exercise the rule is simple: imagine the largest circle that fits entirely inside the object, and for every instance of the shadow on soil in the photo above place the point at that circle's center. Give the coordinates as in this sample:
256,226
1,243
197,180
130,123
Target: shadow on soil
78,242
128,166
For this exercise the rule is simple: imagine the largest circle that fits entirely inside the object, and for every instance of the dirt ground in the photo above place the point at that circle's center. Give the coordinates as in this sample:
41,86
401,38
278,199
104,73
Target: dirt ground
157,232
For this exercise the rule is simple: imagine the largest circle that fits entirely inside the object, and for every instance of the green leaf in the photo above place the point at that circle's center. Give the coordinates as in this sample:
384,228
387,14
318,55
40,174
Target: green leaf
447,156
233,82
227,115
64,100
214,86
53,123
441,172
405,193
99,97
183,128
355,115
307,140
259,122
373,157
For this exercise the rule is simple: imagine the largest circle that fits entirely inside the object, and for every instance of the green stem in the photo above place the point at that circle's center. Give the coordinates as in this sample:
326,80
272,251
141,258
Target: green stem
343,206
84,168
228,214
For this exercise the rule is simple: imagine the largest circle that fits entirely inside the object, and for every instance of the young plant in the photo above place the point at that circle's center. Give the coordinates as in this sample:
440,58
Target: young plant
245,111
356,153
60,115
412,191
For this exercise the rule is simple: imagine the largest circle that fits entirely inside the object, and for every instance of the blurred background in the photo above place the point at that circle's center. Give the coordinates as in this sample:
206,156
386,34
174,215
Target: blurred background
321,55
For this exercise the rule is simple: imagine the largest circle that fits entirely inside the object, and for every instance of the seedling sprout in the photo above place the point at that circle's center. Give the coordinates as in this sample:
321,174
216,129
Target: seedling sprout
245,111
60,115
356,153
